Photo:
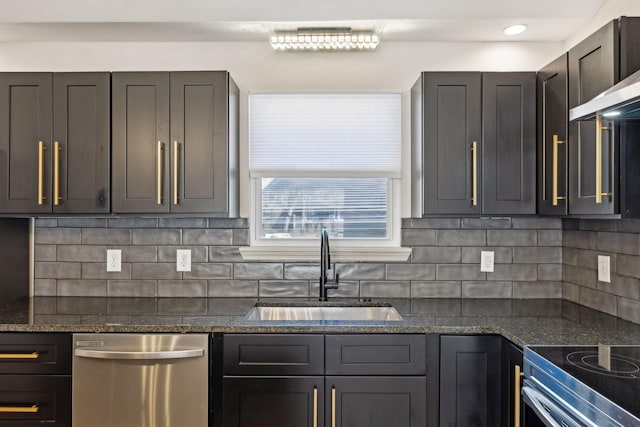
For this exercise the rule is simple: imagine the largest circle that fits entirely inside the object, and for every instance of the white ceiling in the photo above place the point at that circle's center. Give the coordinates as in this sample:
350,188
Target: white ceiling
253,20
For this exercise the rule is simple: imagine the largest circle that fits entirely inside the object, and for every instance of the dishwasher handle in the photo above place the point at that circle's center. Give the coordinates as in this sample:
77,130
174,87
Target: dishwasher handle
139,355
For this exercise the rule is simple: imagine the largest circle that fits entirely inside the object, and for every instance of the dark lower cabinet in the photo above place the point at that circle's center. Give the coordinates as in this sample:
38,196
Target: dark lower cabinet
366,380
273,402
376,401
470,381
35,380
34,400
512,365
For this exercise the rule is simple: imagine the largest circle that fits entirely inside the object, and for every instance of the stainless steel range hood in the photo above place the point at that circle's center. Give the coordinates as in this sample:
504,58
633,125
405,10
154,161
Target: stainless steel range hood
621,101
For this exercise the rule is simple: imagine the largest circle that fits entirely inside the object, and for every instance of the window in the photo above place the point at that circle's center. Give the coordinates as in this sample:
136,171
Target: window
325,160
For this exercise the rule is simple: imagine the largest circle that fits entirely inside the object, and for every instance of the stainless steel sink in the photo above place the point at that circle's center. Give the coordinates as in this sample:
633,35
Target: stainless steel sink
323,311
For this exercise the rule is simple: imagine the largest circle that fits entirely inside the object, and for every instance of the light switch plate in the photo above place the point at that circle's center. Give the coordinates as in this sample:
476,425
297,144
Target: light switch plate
486,261
114,260
183,260
604,268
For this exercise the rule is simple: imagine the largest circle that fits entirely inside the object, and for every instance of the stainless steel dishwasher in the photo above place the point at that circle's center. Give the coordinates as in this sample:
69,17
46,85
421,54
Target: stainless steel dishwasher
132,380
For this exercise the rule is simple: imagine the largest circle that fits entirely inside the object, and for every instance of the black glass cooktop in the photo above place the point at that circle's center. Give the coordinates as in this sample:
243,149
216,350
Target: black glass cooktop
613,371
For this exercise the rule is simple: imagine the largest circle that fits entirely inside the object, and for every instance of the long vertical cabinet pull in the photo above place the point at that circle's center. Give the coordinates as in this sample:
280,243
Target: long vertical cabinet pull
41,149
176,152
56,173
517,378
555,196
599,130
159,173
333,406
315,406
474,173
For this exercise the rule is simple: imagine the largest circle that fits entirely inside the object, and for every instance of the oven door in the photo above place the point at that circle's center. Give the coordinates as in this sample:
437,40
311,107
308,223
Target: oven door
542,411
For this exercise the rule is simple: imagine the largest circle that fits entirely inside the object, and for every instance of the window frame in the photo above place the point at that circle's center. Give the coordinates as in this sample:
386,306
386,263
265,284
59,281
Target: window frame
344,249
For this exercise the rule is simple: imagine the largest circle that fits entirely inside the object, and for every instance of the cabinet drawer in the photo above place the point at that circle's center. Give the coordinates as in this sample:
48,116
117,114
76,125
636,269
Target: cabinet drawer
35,353
273,354
31,400
376,354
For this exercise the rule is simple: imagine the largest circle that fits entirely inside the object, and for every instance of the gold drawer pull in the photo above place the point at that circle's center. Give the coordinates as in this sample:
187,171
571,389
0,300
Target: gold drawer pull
599,129
474,173
20,409
159,160
315,406
33,355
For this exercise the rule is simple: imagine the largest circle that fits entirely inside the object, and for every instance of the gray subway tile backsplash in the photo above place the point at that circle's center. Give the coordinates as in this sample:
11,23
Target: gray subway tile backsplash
534,258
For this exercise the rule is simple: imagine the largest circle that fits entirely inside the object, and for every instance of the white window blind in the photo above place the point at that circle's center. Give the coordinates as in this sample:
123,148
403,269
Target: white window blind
321,135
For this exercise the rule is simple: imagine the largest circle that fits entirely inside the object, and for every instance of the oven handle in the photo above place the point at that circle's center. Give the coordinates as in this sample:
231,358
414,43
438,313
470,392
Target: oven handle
545,409
139,355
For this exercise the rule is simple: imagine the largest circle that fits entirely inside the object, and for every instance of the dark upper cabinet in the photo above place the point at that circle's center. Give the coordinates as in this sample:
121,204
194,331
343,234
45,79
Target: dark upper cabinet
601,181
552,104
140,110
473,143
25,142
175,142
81,135
451,121
470,381
54,145
509,143
593,68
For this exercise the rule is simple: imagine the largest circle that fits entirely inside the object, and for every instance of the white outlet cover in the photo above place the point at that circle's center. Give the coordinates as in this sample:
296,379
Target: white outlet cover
486,261
604,268
183,260
114,260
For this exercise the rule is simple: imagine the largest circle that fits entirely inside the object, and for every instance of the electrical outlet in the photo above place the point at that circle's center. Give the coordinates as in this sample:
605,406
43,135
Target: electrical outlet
114,260
183,260
486,261
604,268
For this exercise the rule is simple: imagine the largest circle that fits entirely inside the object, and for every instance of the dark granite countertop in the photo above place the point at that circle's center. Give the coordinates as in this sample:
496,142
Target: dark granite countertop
525,322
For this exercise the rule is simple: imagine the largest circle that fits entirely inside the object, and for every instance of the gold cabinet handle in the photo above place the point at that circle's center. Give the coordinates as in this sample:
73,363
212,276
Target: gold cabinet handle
33,355
474,173
175,172
159,173
517,375
20,409
555,198
599,129
56,173
41,196
315,406
333,406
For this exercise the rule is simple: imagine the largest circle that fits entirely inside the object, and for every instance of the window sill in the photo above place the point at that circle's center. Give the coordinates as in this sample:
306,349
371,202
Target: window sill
352,254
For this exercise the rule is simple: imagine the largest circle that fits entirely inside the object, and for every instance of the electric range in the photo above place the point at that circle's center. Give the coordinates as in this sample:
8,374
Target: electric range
595,386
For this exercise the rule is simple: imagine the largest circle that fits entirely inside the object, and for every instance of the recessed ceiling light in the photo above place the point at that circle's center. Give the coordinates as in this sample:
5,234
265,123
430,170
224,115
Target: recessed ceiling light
512,30
611,114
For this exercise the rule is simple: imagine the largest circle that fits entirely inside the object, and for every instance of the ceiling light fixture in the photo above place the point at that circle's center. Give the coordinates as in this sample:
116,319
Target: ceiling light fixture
324,39
512,30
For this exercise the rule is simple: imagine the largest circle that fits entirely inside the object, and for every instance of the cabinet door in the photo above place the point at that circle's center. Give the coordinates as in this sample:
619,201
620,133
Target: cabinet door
25,142
552,102
470,380
511,359
199,142
35,400
593,68
376,401
140,145
452,120
273,402
509,143
81,114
